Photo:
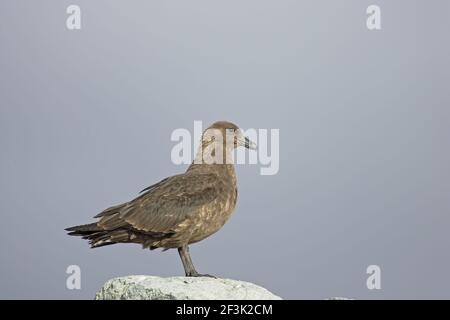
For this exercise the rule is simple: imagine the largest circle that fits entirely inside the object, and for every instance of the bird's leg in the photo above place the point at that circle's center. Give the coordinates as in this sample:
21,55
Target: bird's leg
187,262
189,268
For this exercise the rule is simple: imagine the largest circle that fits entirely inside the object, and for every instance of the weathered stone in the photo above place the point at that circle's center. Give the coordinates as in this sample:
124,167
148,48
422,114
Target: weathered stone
181,288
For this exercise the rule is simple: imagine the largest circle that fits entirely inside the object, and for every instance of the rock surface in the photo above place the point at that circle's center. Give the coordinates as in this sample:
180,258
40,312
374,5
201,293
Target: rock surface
181,288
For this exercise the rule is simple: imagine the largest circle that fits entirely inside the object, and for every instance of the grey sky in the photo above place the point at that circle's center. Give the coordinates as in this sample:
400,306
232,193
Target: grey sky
364,118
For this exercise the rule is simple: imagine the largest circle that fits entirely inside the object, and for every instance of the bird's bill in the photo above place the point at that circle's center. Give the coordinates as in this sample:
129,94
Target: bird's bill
247,143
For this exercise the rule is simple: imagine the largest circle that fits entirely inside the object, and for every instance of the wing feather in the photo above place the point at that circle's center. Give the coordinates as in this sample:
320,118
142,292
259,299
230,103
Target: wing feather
164,205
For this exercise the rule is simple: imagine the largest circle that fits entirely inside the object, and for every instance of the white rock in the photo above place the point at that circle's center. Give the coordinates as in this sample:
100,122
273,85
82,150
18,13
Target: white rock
181,288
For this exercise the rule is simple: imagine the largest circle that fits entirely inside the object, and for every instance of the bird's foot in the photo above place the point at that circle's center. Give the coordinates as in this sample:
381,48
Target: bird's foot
196,274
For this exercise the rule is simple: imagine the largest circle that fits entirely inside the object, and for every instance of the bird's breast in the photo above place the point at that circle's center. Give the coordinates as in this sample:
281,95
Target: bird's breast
213,216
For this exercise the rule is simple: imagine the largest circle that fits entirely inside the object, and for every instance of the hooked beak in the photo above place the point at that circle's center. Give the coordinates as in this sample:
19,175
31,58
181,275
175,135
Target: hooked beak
249,144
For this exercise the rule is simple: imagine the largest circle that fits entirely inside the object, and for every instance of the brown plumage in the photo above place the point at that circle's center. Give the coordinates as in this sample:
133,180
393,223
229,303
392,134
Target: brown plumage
181,209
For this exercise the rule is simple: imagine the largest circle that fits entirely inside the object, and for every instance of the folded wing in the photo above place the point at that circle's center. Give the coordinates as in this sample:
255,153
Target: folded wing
162,206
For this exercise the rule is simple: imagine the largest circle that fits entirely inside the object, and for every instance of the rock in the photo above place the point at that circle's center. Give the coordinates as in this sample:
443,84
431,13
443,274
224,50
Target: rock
181,288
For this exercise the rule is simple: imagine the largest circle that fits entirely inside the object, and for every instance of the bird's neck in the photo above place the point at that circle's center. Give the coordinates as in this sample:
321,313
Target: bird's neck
208,159
221,169
214,153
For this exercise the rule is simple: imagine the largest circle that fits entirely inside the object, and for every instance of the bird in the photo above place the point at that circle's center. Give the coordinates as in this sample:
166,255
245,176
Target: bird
179,210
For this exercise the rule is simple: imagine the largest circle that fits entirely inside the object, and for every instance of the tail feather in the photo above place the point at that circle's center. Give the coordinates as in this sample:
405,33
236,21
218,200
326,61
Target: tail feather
97,236
83,229
101,236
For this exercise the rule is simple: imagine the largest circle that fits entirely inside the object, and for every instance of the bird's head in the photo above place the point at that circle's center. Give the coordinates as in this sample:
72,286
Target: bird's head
218,142
228,134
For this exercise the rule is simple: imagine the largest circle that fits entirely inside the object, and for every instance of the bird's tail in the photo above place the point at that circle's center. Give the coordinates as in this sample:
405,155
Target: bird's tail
97,236
83,229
